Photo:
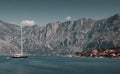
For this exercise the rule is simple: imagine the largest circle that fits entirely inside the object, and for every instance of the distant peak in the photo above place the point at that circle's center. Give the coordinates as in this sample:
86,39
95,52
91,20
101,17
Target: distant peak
117,15
1,21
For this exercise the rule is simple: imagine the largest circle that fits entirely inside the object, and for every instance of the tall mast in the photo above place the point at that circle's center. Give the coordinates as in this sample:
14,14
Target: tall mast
21,42
81,22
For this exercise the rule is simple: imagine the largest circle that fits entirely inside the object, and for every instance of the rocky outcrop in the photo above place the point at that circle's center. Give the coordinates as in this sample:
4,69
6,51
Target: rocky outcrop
63,38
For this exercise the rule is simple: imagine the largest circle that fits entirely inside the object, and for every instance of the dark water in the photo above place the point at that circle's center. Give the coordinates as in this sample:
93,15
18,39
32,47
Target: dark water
59,65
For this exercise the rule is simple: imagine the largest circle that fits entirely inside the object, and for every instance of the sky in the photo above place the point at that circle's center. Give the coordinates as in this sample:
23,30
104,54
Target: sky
45,11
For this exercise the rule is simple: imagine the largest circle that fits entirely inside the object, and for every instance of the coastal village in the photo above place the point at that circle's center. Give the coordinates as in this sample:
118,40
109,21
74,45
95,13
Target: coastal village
104,53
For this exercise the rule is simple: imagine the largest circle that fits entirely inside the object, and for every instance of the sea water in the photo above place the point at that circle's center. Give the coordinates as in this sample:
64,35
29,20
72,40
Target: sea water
59,65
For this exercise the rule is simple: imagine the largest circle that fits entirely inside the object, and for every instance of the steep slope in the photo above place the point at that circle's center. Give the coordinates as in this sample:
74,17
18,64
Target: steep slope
105,33
62,38
9,38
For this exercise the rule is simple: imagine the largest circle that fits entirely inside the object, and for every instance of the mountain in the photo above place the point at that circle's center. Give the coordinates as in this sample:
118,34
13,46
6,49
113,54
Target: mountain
9,38
61,38
105,33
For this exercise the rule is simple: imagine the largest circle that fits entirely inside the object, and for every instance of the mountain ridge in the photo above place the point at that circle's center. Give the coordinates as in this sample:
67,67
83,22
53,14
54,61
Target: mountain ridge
61,38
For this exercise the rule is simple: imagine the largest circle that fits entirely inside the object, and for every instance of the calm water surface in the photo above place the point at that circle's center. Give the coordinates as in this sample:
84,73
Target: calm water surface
59,65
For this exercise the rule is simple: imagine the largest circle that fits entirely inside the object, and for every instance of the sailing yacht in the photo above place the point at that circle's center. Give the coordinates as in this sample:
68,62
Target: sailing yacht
21,54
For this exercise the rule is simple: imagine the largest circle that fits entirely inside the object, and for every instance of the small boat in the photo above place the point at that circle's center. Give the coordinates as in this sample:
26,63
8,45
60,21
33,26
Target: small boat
21,55
69,56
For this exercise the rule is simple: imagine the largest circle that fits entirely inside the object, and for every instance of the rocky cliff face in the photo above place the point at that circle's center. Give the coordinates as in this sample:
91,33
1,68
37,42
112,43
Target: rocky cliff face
105,33
61,38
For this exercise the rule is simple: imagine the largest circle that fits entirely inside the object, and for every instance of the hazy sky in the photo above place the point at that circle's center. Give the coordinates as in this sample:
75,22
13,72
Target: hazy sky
45,11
